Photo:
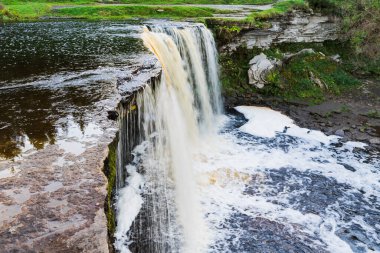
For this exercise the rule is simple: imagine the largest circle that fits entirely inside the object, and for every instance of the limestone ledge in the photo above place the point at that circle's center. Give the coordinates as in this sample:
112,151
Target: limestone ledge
52,200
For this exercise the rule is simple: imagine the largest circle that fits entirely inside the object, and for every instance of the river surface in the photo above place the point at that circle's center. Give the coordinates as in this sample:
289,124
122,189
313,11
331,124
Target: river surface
53,74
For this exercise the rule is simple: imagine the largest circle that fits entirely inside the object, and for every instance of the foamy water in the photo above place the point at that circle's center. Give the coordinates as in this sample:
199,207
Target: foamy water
287,193
204,182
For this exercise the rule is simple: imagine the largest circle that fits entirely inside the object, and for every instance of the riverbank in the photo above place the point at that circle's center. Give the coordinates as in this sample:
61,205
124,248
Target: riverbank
300,64
42,11
353,115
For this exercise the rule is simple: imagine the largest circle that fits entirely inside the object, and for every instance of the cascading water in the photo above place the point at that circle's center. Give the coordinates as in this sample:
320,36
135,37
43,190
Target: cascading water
173,117
202,182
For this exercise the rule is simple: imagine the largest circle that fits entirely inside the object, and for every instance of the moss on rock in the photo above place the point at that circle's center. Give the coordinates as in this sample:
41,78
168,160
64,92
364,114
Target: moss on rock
306,77
110,172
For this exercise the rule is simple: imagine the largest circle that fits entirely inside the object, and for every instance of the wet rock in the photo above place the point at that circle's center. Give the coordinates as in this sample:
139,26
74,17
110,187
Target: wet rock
112,115
340,132
257,234
375,141
56,194
348,167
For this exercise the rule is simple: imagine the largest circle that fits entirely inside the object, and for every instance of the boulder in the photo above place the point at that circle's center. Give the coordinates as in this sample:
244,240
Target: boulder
374,141
260,67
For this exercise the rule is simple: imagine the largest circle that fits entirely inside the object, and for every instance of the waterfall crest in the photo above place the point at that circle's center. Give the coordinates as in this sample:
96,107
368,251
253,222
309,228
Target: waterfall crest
173,117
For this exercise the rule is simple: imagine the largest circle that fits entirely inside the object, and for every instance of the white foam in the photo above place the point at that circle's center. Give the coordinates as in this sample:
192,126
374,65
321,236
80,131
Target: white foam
129,202
354,144
224,164
265,122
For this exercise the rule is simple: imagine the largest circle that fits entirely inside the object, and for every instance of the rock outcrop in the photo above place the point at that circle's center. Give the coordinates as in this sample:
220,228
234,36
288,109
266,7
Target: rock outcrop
295,27
260,68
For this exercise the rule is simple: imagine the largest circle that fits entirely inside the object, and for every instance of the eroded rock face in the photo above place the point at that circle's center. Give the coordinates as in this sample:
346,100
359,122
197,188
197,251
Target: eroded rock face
260,67
296,27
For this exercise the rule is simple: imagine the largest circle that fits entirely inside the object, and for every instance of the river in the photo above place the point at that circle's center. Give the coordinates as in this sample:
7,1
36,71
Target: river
198,178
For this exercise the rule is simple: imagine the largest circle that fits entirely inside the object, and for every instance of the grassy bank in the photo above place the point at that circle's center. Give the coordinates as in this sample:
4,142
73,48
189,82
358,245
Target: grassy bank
144,2
18,10
34,11
126,12
279,9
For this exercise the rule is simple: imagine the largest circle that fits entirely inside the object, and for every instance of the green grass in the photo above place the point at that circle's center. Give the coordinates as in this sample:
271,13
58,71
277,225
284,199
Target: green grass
34,11
375,114
293,81
150,2
279,8
361,21
29,11
296,81
126,12
20,10
159,2
358,64
155,2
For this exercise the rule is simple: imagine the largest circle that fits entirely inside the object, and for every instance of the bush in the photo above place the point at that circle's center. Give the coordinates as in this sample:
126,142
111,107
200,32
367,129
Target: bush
324,5
361,19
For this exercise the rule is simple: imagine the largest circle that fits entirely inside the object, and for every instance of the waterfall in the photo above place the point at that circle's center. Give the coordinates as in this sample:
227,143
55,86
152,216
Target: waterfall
159,209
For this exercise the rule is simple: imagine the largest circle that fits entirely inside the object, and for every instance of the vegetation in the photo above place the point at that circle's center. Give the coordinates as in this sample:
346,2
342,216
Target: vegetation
159,2
140,2
361,19
296,79
125,12
299,75
33,11
279,9
110,172
374,114
27,11
225,33
20,10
